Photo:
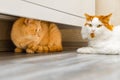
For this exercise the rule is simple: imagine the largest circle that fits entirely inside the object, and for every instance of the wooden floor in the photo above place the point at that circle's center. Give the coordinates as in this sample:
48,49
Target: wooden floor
61,66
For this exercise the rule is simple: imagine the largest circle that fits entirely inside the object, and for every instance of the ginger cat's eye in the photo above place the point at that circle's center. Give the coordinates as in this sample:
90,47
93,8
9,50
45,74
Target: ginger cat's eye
98,26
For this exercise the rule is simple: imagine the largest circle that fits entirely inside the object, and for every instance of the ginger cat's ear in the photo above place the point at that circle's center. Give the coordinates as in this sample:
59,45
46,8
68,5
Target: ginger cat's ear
28,21
88,17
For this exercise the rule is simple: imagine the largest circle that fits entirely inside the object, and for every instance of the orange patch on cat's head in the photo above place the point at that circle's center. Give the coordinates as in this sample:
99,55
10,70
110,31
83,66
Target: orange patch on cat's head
88,17
104,19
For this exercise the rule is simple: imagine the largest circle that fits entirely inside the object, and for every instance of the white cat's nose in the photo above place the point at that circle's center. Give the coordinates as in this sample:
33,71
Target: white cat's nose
93,30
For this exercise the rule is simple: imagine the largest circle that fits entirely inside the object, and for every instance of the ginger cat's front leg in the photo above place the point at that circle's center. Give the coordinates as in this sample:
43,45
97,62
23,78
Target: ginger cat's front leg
42,49
47,49
32,47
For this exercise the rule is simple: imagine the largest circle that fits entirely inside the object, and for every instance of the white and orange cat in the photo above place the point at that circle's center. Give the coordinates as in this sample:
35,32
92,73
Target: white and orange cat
103,37
36,36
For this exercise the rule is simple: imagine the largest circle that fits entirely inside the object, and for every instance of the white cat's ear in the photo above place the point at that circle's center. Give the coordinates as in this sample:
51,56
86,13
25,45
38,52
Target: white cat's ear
106,18
84,32
88,17
109,15
28,21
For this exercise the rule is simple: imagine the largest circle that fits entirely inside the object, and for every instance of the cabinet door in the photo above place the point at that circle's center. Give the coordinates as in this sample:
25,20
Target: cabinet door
61,11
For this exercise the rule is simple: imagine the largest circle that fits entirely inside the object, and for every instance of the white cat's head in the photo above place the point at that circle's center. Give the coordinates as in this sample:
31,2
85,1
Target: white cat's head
96,26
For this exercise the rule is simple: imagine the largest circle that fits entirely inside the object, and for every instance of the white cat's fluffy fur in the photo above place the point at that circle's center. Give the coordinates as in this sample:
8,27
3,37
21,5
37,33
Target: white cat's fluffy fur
105,41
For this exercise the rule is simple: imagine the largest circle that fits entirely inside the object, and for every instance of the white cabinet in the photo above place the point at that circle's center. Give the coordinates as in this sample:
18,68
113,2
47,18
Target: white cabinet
61,11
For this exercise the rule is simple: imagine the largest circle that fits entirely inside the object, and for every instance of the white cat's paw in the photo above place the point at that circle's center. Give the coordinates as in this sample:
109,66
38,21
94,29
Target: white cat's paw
85,50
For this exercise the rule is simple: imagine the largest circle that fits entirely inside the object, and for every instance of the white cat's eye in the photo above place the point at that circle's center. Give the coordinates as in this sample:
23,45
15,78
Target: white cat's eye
98,26
90,25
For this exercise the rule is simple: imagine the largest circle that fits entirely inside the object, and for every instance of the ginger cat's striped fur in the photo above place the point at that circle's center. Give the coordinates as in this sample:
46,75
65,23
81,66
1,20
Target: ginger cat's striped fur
36,36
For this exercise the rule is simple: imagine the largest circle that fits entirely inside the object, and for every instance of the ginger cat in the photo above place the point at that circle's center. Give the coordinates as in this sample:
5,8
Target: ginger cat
103,38
36,36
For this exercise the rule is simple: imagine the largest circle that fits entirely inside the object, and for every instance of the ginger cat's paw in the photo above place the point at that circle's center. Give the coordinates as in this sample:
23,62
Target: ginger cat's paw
46,49
18,50
59,49
55,49
30,51
39,49
52,49
32,46
42,49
